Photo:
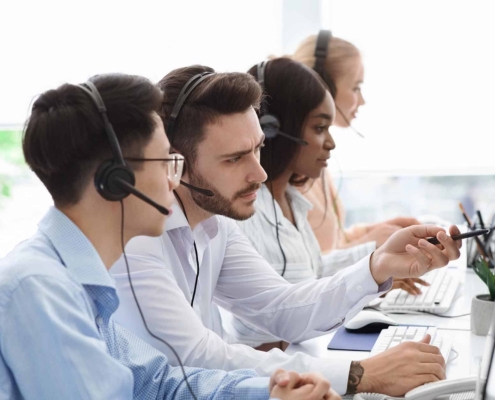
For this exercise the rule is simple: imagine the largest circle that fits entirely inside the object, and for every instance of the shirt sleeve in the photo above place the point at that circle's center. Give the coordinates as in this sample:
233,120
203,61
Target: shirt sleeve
250,289
170,317
339,259
52,346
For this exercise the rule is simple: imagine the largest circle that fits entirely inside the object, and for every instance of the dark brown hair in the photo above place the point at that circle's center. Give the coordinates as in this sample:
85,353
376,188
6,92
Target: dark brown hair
64,138
291,92
219,94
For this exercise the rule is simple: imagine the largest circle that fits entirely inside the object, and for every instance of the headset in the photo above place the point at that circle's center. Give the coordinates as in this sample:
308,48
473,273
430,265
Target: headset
179,103
270,125
114,180
321,53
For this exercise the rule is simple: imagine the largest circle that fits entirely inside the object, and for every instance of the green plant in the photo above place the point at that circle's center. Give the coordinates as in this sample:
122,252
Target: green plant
482,269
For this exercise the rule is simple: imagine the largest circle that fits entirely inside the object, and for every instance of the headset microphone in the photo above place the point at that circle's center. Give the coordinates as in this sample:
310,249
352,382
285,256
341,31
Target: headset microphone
183,95
270,126
126,186
204,192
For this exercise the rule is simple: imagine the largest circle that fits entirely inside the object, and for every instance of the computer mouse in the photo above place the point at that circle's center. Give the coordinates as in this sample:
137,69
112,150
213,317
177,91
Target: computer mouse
368,321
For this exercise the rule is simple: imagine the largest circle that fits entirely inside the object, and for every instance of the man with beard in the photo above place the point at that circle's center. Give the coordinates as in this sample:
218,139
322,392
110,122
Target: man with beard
203,261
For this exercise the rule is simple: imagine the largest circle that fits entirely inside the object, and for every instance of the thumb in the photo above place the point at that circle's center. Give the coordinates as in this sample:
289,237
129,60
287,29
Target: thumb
426,339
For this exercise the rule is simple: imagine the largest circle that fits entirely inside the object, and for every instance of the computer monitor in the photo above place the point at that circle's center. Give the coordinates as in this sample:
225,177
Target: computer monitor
487,373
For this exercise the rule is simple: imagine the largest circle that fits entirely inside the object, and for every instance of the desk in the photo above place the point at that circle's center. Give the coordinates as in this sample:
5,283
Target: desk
469,346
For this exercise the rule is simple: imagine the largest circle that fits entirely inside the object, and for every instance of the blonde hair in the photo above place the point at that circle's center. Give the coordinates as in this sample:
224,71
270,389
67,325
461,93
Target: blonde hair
340,51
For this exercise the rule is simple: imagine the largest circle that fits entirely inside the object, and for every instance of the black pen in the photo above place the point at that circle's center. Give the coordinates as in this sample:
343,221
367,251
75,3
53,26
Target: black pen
466,235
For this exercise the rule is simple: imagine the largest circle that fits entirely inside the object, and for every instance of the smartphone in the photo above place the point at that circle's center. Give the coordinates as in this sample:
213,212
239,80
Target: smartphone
466,235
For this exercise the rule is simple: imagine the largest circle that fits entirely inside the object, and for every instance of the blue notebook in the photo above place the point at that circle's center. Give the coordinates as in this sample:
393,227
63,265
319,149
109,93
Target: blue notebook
343,340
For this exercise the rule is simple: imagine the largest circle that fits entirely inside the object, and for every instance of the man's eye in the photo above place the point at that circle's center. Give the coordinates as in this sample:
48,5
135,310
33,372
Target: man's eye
233,160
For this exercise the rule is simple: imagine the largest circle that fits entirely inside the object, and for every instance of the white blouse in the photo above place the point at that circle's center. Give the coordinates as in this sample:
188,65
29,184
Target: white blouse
301,248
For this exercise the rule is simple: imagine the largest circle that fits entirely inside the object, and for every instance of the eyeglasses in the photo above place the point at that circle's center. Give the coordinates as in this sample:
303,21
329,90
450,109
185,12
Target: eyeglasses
175,166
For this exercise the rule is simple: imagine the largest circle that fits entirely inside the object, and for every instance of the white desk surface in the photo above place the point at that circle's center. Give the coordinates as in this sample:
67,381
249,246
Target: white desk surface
469,346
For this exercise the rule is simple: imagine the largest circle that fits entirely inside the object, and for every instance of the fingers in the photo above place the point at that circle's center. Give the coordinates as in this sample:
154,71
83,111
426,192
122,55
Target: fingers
433,370
428,257
454,230
427,378
420,281
320,385
451,247
425,231
426,339
332,395
280,377
430,358
408,285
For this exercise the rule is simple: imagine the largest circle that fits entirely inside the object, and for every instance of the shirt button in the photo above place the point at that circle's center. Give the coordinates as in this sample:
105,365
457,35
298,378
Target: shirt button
99,320
359,288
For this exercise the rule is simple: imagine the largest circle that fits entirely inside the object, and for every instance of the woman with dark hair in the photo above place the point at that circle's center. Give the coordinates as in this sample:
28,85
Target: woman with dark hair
298,101
341,67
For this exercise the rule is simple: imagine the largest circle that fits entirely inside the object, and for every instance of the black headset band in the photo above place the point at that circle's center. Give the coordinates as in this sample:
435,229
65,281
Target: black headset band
95,96
260,74
183,95
321,51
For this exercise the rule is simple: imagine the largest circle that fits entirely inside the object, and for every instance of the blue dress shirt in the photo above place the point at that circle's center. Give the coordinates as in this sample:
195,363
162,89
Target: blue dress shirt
58,339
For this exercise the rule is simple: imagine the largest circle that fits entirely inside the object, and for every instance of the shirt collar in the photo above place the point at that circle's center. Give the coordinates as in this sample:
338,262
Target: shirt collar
178,220
75,250
298,199
299,203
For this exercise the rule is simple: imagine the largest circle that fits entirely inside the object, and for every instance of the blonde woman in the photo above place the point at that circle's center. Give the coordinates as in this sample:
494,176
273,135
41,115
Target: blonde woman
339,63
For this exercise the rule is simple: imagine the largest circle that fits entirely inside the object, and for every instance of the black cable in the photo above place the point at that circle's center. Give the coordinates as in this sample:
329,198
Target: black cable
276,230
275,209
139,307
195,249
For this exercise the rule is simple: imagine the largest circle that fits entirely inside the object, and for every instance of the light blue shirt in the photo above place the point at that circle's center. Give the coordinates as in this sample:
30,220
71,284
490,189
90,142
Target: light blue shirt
58,339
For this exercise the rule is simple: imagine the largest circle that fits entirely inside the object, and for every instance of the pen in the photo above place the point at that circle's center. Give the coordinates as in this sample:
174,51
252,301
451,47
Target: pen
434,240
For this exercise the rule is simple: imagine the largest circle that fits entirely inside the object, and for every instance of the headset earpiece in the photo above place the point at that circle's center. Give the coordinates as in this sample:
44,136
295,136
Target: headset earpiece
270,125
107,179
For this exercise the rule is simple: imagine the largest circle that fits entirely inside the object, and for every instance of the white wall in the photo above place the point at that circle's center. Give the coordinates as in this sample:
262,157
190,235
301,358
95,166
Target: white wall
429,84
46,43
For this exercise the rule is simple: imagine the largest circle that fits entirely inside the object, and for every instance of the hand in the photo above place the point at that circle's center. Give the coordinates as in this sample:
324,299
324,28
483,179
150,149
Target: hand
409,285
403,222
293,386
408,255
398,370
380,233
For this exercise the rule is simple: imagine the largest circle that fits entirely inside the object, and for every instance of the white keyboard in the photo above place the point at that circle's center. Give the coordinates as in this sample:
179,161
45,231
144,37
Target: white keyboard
395,335
436,298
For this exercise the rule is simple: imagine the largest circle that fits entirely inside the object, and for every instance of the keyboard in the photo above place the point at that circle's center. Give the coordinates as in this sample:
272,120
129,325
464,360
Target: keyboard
436,298
395,335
